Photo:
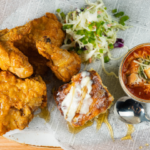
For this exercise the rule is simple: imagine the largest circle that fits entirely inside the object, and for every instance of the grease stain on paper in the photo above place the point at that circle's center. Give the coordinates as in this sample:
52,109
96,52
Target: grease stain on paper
76,130
45,114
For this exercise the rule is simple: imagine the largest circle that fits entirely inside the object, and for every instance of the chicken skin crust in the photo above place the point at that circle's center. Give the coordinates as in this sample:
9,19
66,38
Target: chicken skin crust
63,63
24,38
18,100
46,26
83,99
13,60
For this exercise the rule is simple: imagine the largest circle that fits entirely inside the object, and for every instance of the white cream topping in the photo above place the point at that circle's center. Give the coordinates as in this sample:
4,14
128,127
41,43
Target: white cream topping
86,81
72,100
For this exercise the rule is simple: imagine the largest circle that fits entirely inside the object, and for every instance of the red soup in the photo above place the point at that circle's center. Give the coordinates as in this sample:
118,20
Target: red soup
136,72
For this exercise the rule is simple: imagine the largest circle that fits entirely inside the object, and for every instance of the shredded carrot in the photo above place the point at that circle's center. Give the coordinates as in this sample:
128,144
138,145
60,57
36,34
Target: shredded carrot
99,12
99,45
109,25
90,60
94,26
89,22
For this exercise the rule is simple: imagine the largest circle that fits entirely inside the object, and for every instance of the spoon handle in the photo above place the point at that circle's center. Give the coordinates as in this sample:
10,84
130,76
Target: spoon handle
146,118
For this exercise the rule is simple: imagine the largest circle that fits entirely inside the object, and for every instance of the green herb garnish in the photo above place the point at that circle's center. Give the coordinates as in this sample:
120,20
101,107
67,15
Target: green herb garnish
79,51
106,59
62,15
84,40
98,16
101,51
67,26
58,10
80,32
114,11
123,19
91,40
111,46
119,14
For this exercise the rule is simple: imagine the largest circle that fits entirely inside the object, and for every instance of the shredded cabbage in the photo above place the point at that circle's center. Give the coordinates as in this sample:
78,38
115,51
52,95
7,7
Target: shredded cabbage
92,29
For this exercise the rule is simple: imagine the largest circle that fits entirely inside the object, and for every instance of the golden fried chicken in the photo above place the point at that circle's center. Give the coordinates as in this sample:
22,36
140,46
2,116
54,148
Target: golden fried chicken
63,63
13,60
14,34
83,99
18,100
47,26
25,38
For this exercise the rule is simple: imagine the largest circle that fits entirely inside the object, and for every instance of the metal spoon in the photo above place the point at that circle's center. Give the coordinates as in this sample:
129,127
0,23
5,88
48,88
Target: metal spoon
129,111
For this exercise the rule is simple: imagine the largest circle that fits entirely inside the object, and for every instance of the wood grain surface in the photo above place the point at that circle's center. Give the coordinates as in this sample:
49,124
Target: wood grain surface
6,144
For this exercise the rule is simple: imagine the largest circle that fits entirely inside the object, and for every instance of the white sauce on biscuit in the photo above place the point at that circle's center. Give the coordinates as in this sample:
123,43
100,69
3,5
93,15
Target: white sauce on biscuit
72,100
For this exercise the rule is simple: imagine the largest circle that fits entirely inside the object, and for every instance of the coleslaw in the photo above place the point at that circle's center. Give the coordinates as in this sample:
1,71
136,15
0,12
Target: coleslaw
91,32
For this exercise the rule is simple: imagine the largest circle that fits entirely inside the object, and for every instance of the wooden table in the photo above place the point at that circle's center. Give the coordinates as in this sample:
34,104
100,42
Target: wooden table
6,144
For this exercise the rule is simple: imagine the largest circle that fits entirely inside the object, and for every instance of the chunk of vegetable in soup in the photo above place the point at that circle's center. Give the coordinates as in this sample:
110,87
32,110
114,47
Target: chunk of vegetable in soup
136,72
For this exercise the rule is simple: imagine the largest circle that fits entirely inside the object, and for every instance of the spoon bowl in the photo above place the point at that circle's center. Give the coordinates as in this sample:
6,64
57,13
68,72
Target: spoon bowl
129,111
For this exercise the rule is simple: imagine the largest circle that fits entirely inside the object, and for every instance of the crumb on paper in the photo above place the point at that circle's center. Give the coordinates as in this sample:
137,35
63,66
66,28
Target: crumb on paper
146,144
52,108
91,69
140,147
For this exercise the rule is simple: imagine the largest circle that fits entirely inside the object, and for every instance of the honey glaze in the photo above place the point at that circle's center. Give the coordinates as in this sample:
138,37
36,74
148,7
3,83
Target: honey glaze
76,130
103,118
45,114
129,132
100,120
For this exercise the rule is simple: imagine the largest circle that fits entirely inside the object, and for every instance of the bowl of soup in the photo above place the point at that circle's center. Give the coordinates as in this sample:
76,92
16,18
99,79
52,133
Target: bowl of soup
134,73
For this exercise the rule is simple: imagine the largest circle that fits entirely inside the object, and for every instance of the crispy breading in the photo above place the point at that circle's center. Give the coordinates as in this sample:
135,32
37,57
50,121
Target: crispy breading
97,101
63,63
14,34
47,26
25,38
18,100
13,60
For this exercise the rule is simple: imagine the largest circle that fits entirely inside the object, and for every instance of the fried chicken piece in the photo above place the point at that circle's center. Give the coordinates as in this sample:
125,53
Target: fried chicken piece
14,34
18,100
47,26
25,38
63,63
13,60
83,99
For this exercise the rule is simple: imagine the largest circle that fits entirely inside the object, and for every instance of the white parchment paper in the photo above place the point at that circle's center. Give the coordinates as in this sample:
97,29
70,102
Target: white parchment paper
18,12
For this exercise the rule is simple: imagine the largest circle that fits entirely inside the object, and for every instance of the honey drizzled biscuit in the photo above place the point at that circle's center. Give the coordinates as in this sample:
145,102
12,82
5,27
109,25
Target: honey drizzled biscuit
83,99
